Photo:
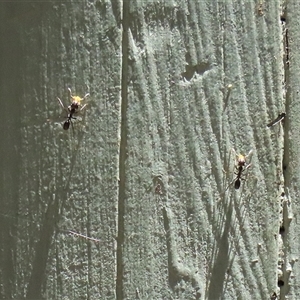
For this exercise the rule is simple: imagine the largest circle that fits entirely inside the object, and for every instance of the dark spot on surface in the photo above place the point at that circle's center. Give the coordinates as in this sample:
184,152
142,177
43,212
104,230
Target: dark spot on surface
190,71
280,283
281,230
274,296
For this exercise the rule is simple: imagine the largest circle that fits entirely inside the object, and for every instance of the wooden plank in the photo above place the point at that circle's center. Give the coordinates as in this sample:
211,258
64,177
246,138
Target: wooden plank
136,204
185,237
290,270
64,208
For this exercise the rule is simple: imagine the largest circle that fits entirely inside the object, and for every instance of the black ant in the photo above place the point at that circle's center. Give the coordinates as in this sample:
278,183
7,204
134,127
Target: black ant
72,109
241,166
277,120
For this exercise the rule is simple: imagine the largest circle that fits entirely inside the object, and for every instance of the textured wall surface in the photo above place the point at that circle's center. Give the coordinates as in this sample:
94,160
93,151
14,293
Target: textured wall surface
137,201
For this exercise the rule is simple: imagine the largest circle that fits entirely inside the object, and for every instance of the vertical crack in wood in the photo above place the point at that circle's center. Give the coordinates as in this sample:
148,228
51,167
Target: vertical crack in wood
122,153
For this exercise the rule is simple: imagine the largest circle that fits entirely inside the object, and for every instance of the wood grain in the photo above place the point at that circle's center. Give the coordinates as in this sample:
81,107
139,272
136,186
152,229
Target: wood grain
136,203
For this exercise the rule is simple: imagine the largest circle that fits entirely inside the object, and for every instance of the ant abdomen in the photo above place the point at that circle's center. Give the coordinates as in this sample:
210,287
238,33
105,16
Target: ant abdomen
237,184
66,125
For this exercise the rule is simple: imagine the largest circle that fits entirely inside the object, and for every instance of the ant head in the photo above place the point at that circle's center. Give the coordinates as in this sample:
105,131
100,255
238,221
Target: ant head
76,99
241,159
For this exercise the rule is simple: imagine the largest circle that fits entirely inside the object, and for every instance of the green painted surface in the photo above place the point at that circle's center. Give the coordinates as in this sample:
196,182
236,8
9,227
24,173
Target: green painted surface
136,202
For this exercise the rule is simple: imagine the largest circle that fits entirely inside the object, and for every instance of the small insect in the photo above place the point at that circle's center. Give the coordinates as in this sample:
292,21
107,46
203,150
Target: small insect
240,167
277,120
159,186
83,236
274,296
260,9
72,109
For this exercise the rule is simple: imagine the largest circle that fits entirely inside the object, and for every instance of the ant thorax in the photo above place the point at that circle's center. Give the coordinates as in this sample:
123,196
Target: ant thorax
74,106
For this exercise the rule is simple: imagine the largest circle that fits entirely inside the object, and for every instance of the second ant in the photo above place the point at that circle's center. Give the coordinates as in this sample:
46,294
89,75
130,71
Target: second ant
72,109
240,167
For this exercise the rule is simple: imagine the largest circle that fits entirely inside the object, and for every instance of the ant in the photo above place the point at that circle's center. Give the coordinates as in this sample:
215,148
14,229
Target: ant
240,167
277,120
72,109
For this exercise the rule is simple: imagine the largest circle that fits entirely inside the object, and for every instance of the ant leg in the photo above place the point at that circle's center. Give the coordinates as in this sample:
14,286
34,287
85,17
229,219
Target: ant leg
83,107
247,167
61,104
230,184
233,150
70,92
86,95
72,126
250,152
